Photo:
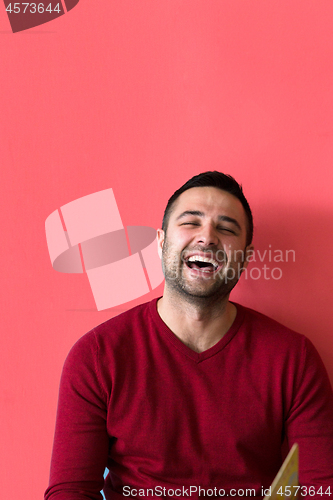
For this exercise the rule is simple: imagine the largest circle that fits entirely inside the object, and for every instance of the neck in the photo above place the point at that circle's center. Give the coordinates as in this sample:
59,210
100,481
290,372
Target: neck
198,322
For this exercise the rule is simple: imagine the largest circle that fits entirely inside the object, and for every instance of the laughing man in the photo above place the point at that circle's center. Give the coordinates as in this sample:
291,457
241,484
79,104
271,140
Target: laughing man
192,390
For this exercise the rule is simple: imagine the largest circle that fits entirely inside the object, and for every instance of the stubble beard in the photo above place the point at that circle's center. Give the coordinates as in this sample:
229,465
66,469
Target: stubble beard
199,290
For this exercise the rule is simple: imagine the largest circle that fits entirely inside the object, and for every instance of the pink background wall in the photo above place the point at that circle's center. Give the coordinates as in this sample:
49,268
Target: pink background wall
139,96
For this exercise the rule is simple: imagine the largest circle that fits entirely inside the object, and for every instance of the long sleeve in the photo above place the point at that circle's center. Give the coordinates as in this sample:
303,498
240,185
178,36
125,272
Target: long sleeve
310,423
81,441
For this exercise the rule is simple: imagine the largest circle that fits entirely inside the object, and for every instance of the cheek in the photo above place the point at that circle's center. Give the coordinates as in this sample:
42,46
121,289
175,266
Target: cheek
237,254
170,254
175,244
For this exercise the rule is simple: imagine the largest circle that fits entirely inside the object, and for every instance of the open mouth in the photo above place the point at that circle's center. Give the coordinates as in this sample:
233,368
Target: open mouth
204,264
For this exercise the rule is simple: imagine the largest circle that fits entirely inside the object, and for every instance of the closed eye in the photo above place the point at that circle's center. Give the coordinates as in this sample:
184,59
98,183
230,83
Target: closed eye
226,229
219,228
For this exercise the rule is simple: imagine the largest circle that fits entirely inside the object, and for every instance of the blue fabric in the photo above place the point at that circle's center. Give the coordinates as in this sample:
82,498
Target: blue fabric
105,474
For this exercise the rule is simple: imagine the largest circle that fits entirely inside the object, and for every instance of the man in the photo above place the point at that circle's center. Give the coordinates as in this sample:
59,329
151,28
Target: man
191,394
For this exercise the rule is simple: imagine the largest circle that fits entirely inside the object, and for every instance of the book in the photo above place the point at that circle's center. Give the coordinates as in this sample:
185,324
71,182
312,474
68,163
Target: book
285,484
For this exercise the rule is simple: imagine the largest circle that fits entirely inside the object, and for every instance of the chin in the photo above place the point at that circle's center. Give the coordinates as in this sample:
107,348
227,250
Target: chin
203,292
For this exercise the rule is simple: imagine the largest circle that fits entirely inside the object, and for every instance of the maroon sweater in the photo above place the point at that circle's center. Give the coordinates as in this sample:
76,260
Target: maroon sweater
137,400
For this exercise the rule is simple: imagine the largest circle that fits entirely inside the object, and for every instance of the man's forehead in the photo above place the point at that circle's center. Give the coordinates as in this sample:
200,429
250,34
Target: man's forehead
210,199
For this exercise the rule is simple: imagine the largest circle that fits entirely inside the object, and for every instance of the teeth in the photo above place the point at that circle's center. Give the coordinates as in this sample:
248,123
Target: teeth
199,258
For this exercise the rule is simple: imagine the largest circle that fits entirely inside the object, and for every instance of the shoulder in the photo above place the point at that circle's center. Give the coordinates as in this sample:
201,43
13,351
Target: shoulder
127,320
113,333
107,348
260,324
280,349
273,337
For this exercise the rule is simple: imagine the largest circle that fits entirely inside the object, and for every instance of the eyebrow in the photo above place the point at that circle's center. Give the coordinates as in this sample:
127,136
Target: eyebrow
223,218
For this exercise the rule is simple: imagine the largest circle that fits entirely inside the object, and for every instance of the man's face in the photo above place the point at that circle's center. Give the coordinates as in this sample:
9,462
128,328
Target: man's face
204,248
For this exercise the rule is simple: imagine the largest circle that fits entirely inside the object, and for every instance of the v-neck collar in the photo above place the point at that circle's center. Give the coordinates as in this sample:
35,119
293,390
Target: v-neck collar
178,344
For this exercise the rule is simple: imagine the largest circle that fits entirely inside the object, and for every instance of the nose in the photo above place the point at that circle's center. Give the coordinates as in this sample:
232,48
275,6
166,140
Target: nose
207,235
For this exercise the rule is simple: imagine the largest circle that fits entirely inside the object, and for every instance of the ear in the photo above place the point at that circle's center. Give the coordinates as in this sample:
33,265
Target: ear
249,250
160,242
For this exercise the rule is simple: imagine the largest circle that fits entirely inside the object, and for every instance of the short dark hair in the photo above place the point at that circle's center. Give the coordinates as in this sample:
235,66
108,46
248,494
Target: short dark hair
217,180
